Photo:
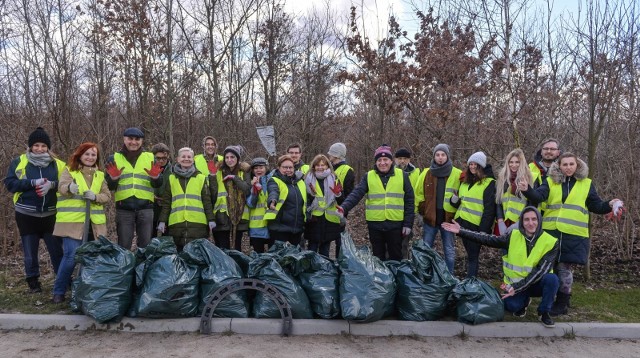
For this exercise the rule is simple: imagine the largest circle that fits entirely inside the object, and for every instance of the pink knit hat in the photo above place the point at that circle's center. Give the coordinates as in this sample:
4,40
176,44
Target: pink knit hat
383,151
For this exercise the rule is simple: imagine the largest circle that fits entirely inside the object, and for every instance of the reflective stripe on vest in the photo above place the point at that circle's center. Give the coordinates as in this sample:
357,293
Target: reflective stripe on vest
284,191
512,206
221,199
471,201
536,175
71,208
21,172
385,204
134,181
516,265
256,215
201,163
570,217
331,212
186,205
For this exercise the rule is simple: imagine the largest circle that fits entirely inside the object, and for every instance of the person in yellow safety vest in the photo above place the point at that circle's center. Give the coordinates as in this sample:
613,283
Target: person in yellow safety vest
389,207
257,203
295,152
545,156
403,161
162,156
570,196
510,201
32,178
527,265
287,201
207,161
132,174
345,174
324,223
230,209
434,187
81,181
476,205
187,210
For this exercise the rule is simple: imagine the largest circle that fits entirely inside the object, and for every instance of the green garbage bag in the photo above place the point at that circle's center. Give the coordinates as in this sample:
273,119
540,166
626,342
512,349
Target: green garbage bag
103,288
477,302
170,289
318,277
241,259
217,270
424,285
145,256
281,248
265,267
367,286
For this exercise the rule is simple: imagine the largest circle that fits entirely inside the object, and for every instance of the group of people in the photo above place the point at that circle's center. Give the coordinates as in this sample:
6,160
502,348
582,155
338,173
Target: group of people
537,213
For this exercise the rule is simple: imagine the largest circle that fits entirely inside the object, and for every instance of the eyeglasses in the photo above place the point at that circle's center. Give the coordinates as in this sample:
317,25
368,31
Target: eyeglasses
283,167
550,149
161,158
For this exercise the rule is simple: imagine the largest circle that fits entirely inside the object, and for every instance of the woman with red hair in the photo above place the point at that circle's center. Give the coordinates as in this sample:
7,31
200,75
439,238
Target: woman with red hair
81,181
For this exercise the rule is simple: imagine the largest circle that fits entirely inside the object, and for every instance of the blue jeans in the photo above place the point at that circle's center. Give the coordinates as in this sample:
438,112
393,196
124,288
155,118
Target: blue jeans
63,278
545,288
30,247
429,236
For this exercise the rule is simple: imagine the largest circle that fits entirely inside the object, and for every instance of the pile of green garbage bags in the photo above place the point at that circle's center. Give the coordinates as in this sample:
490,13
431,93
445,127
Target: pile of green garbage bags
159,282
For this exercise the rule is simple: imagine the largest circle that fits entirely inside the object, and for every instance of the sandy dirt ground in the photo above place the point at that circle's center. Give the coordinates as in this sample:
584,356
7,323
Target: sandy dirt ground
114,344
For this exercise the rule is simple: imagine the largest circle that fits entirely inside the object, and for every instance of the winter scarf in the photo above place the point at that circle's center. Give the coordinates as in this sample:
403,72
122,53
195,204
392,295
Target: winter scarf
132,156
441,171
184,173
39,160
329,182
236,199
512,182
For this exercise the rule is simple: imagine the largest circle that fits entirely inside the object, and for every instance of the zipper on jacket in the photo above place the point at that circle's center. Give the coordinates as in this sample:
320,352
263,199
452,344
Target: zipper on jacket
44,197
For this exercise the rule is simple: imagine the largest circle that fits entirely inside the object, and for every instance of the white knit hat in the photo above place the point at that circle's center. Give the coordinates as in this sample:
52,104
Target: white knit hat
479,158
338,150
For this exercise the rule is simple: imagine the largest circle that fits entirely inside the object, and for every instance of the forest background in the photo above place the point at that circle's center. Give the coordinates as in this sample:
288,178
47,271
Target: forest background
488,75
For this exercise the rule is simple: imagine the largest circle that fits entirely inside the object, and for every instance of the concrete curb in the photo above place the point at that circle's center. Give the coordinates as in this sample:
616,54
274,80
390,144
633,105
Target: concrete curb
325,327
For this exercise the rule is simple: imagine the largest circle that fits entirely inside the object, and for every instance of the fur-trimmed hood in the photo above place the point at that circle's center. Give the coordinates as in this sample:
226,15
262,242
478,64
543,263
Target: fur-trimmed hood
556,174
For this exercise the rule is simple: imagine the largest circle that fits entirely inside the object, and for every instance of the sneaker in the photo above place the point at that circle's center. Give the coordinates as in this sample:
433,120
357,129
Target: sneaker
546,320
523,312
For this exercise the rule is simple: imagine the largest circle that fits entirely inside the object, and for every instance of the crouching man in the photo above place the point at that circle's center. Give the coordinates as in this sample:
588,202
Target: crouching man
527,266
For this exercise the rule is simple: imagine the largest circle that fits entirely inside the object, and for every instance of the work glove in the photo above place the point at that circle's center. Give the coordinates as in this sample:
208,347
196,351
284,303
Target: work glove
616,212
73,188
155,171
212,225
161,227
340,210
455,198
406,231
502,227
89,195
228,177
44,188
113,171
337,189
213,168
36,182
257,187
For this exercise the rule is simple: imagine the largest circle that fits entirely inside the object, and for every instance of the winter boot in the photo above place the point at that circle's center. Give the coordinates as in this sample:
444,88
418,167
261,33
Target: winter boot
560,306
34,284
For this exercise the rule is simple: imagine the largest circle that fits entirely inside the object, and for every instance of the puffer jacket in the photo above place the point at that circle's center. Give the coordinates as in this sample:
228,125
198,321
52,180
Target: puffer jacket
29,203
573,248
290,217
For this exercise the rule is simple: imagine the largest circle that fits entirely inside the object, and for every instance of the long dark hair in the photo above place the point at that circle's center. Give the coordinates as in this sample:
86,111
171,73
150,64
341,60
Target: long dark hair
474,178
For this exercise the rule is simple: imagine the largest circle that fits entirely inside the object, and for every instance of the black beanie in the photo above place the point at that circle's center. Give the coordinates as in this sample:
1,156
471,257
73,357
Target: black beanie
403,153
39,136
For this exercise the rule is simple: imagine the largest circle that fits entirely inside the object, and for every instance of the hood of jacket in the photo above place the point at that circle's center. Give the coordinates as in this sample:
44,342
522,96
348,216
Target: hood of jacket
520,221
556,175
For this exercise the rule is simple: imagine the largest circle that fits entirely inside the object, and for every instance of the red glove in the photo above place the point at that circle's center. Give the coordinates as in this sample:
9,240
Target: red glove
337,189
613,217
256,188
213,168
155,170
312,188
340,210
113,171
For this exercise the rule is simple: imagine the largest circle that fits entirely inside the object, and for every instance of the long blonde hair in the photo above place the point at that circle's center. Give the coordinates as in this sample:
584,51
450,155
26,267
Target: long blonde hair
523,173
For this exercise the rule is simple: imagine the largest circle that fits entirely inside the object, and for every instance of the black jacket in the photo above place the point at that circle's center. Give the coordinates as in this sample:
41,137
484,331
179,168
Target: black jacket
290,217
489,203
132,203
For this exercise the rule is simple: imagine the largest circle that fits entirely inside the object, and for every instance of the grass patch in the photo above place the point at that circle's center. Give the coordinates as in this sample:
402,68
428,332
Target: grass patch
15,297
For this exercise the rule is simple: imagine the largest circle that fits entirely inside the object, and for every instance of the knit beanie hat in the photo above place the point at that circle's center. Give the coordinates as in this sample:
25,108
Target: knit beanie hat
403,153
259,161
39,136
338,150
479,158
235,149
383,151
441,147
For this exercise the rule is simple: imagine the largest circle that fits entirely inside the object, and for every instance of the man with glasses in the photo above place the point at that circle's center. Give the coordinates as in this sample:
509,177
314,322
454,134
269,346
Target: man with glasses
295,152
545,156
161,157
206,162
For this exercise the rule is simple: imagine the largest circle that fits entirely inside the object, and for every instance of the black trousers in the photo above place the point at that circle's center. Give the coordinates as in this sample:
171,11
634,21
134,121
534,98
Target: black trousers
386,244
222,238
293,239
258,244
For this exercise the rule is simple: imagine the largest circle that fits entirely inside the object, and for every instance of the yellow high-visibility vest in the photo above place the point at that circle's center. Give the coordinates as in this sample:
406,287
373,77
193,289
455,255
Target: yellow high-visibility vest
72,208
221,199
331,212
134,181
452,186
201,163
186,205
572,216
516,265
257,215
284,191
472,203
385,204
21,173
341,173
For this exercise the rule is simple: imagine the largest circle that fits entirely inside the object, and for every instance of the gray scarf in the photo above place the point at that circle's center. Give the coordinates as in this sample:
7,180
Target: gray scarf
329,182
185,173
441,171
39,160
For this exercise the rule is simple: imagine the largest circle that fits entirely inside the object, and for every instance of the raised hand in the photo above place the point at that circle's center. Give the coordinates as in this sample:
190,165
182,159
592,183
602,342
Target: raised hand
113,171
155,170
